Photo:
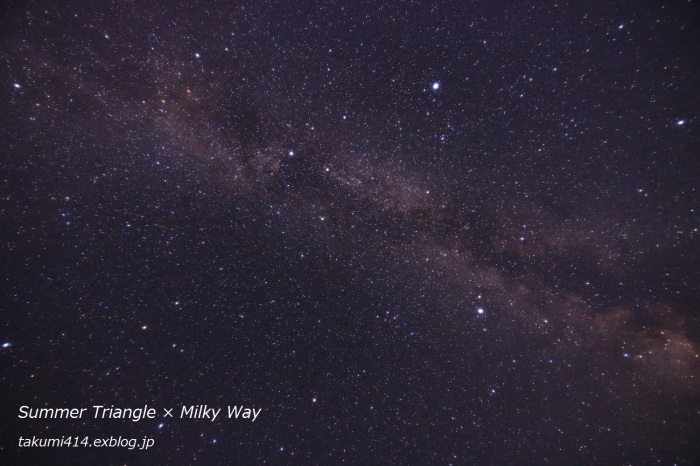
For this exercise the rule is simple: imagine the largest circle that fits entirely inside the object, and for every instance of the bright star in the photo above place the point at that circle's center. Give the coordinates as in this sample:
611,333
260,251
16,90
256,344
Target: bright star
680,122
17,86
480,310
436,86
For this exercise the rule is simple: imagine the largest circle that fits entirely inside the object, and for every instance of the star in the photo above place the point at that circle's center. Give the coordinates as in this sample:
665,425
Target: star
436,86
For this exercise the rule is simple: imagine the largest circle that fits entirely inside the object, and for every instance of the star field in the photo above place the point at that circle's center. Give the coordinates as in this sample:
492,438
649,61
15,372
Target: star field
411,232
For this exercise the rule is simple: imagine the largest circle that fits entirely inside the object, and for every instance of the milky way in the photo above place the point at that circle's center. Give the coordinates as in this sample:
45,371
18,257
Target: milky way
409,232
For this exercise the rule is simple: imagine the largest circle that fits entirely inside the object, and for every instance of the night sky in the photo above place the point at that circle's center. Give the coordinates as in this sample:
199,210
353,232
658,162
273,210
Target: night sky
411,232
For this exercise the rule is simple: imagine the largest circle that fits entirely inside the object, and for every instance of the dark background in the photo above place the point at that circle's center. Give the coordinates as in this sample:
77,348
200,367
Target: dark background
272,204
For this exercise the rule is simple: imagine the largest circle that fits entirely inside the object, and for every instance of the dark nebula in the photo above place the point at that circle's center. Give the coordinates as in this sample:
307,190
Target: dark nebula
411,232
